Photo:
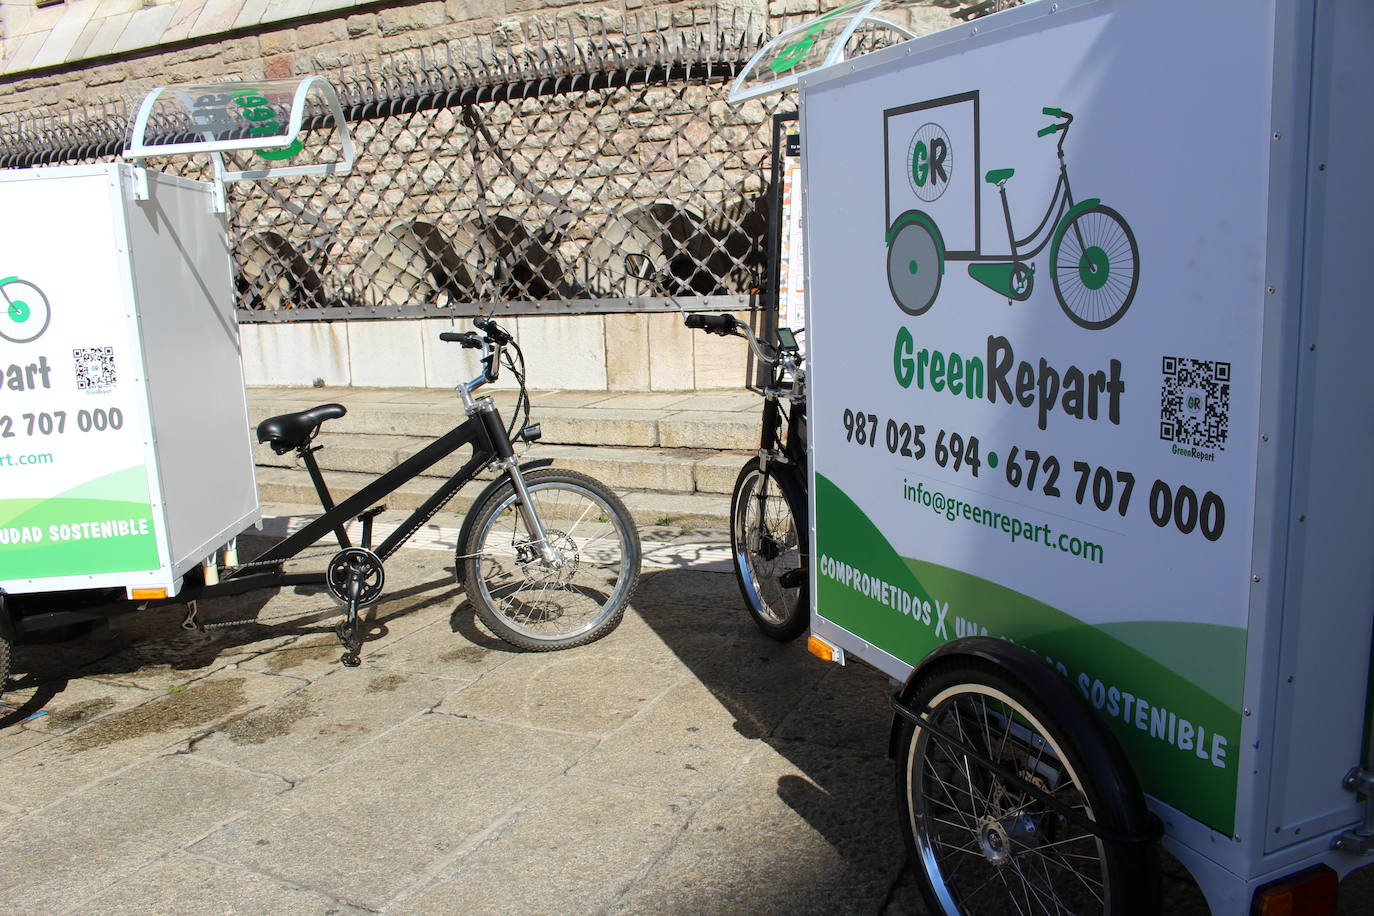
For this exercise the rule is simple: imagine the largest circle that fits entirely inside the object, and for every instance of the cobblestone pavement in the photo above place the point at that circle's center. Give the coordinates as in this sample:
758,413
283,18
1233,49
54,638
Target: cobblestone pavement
684,764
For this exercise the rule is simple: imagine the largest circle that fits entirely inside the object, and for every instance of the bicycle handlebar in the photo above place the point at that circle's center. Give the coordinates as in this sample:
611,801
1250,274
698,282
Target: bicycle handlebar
493,330
730,326
1055,113
469,339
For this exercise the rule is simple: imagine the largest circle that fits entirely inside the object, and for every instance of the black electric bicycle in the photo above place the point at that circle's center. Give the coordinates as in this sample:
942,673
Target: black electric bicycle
768,507
548,557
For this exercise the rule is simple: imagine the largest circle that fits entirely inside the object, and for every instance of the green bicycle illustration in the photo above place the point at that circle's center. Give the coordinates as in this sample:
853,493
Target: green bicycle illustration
1093,257
26,314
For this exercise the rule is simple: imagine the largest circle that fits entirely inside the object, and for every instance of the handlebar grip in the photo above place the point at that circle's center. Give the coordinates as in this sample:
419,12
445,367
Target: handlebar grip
1054,112
492,330
468,339
1046,131
712,324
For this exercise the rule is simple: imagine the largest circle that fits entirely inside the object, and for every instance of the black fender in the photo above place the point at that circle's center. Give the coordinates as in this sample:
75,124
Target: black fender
489,491
1110,767
7,631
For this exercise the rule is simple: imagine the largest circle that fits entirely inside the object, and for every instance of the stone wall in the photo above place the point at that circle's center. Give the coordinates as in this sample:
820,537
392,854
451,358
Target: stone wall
329,40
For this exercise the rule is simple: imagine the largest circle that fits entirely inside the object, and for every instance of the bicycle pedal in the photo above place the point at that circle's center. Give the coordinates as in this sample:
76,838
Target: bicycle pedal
793,578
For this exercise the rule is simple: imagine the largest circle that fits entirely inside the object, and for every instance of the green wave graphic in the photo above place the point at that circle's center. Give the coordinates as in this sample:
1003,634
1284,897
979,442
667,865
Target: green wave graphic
90,551
126,485
1097,658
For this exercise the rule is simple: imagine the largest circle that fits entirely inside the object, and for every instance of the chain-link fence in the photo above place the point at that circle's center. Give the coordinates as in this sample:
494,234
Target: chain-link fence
602,199
567,176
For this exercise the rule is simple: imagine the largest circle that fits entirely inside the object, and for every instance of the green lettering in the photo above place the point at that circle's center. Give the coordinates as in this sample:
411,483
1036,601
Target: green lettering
902,364
956,373
973,372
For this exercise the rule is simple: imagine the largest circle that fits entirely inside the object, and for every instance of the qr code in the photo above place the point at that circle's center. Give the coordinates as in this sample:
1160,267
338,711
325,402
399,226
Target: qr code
95,368
1195,402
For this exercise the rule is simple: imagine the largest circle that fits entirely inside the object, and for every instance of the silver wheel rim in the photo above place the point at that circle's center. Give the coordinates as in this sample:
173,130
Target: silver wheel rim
989,848
541,602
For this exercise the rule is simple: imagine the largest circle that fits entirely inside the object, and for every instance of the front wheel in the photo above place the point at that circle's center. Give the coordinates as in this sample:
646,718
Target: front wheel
1095,265
768,543
579,597
980,843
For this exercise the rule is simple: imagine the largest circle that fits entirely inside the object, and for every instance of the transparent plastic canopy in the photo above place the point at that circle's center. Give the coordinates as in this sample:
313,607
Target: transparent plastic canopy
257,125
841,34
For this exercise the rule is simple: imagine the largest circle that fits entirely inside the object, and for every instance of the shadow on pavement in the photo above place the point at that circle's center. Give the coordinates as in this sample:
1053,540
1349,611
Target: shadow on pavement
129,645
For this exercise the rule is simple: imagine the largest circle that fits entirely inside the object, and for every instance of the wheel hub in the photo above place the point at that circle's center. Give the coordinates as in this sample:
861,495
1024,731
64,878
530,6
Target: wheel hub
993,839
767,546
536,571
1092,268
1001,838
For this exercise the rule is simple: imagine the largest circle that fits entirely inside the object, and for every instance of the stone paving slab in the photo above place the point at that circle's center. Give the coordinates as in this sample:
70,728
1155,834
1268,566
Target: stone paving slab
184,883
590,692
819,806
619,834
323,722
396,811
83,843
46,773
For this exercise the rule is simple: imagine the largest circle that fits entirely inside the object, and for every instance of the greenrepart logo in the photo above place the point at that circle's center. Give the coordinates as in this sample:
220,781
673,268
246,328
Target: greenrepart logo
932,161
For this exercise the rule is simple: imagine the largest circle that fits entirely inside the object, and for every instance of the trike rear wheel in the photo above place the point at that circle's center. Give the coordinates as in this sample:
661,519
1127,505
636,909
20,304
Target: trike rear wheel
914,266
768,543
531,603
980,843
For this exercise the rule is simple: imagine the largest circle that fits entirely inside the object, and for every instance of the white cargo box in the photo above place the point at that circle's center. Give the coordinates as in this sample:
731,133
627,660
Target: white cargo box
124,445
1100,390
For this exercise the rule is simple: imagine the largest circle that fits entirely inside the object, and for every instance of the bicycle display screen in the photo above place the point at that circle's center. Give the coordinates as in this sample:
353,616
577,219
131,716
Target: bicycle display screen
786,339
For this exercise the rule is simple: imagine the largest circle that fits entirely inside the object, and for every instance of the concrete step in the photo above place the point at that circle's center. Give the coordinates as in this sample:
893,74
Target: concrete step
672,456
687,420
669,470
648,507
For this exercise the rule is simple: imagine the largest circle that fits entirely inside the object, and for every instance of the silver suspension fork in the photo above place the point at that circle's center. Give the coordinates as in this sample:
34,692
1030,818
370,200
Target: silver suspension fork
550,555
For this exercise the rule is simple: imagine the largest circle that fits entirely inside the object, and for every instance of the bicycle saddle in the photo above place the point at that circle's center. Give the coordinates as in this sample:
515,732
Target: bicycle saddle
292,430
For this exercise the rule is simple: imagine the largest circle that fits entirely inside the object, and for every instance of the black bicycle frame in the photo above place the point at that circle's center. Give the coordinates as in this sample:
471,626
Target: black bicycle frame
482,430
1062,196
793,450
